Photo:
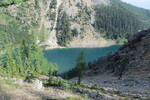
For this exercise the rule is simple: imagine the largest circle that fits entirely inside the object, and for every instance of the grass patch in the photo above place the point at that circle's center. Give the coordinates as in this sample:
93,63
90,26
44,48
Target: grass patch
86,86
122,40
9,83
5,19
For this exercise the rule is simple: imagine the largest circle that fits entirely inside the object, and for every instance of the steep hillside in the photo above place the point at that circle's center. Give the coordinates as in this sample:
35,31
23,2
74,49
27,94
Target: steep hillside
140,13
11,32
75,23
131,59
115,22
127,70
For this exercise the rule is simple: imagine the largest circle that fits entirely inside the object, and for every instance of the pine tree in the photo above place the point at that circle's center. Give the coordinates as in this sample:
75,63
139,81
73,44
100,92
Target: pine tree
10,63
75,32
80,65
123,66
63,30
25,60
53,4
19,62
2,71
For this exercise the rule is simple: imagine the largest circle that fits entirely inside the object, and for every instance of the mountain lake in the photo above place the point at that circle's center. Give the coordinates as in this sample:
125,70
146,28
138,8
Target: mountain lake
66,58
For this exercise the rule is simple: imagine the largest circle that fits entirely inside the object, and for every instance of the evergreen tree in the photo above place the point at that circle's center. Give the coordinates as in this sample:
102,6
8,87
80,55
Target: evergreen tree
2,70
19,62
53,4
115,22
63,30
24,60
42,33
123,66
75,32
38,60
11,65
80,66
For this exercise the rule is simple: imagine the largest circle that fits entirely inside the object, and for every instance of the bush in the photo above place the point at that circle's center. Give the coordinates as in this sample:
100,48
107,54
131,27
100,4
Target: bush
57,81
9,2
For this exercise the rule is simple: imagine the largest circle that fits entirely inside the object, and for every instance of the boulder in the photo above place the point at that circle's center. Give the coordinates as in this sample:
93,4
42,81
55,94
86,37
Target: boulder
37,84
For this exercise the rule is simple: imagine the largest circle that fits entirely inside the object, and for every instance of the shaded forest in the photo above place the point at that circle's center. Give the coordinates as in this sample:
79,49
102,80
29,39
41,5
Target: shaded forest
114,22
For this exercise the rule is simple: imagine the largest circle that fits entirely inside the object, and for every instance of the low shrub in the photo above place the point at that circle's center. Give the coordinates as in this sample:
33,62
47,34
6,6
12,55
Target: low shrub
57,81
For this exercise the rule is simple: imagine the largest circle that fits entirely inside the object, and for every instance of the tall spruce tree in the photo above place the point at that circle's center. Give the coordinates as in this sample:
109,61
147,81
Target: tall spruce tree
80,66
63,30
26,59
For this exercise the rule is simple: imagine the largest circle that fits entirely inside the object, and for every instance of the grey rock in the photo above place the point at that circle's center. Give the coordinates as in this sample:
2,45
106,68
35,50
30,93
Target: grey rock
132,59
37,84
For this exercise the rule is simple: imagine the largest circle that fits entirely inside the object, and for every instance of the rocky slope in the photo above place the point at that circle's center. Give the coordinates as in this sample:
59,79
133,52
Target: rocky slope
132,58
127,70
42,19
36,89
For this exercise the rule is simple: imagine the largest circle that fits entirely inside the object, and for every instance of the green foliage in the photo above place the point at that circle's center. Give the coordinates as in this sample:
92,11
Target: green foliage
11,31
121,40
75,32
53,4
48,68
80,66
78,70
21,56
120,20
71,73
37,5
85,96
63,30
57,81
9,82
24,61
140,13
42,34
115,22
9,2
52,16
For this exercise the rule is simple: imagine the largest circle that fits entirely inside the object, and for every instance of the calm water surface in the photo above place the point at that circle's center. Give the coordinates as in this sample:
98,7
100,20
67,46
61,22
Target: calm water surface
66,58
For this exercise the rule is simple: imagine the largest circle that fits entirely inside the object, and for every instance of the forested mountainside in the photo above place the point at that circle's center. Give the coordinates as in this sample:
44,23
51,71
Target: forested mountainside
132,59
73,23
140,13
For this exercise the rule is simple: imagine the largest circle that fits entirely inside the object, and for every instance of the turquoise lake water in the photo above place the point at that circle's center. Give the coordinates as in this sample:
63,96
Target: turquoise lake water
66,58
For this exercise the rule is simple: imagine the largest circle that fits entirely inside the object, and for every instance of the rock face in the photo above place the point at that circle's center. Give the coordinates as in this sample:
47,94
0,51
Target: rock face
43,21
132,59
127,70
37,84
42,17
82,16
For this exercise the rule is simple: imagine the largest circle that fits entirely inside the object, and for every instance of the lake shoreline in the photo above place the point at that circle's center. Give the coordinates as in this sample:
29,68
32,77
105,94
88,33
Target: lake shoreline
61,47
